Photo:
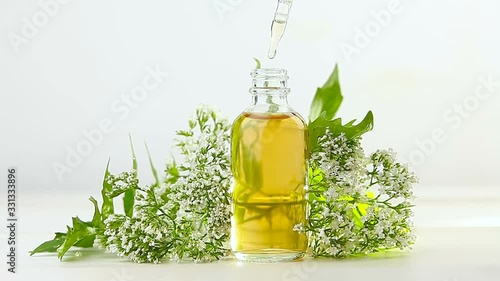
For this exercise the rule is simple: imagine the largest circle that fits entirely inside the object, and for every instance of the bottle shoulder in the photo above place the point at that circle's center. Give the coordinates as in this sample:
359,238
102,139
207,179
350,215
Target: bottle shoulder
288,119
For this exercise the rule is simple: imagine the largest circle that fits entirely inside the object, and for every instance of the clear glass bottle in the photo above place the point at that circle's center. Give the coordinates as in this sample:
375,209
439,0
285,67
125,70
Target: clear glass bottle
269,164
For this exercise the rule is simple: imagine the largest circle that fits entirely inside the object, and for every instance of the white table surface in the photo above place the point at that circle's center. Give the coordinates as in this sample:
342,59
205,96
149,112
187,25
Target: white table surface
458,233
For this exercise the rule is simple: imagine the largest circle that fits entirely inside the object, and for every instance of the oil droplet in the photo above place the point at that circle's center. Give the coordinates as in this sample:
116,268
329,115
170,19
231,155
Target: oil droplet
277,31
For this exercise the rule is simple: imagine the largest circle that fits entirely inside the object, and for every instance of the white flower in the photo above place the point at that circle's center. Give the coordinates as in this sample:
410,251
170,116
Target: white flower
299,228
331,193
346,219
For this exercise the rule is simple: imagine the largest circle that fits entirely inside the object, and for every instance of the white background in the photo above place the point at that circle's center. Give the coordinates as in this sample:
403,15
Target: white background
64,80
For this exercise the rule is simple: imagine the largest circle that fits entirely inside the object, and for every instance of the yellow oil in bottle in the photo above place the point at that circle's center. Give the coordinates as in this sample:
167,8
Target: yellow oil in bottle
269,166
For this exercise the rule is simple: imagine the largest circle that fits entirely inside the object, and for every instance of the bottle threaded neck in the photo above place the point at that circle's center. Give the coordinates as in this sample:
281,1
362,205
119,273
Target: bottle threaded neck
269,90
269,79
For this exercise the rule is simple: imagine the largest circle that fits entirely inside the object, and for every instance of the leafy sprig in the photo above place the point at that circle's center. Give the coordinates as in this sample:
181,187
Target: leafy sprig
80,234
186,216
325,105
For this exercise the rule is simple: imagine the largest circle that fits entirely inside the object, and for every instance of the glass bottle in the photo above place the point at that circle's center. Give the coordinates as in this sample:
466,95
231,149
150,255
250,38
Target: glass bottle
269,154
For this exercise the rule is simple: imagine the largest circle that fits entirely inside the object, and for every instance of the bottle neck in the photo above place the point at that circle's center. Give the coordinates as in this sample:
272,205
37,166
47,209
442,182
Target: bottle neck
269,91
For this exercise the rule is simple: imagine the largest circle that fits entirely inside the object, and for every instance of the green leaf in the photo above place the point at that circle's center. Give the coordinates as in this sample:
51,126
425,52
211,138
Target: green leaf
81,234
96,219
172,173
60,235
129,197
78,224
77,235
325,105
184,133
327,99
319,126
107,201
257,61
86,242
354,131
350,123
49,246
358,212
153,169
134,159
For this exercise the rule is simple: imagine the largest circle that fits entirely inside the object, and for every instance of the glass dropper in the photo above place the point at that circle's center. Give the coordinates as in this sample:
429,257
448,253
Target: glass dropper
279,25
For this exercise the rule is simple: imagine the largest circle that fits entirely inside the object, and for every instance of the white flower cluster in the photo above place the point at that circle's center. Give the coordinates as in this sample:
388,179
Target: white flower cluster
203,214
122,182
359,204
187,217
146,237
